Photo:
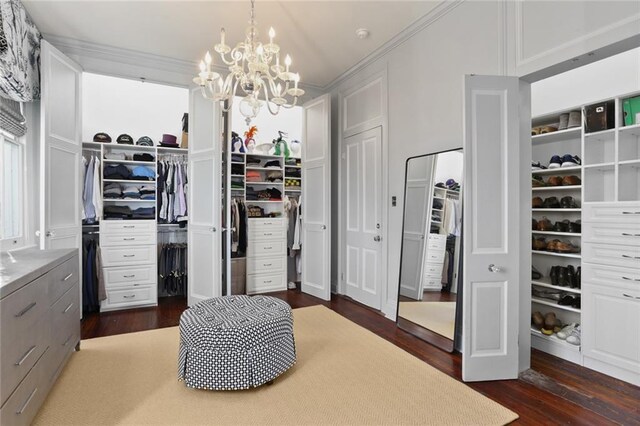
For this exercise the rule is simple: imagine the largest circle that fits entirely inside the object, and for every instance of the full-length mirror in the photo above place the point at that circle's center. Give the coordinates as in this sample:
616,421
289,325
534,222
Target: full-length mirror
430,276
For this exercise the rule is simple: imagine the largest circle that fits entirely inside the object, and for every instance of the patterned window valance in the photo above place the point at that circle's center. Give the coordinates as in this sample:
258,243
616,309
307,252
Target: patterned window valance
11,118
19,53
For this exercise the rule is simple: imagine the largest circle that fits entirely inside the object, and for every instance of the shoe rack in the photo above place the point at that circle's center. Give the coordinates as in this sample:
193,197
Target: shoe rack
544,146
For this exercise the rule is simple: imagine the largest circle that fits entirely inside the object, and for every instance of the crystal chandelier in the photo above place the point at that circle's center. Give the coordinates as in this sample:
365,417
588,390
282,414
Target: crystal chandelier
254,69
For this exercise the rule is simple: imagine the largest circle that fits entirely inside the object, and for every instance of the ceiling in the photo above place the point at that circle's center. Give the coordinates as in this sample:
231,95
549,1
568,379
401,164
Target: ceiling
319,35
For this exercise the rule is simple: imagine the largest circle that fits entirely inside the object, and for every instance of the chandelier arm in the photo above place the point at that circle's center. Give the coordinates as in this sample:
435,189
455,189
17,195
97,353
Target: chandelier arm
268,102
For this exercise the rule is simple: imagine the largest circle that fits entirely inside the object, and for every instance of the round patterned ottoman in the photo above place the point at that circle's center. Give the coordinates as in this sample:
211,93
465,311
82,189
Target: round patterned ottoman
235,342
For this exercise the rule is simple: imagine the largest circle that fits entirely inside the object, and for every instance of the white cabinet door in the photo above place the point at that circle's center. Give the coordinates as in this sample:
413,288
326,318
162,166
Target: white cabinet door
493,118
204,243
60,151
316,201
362,200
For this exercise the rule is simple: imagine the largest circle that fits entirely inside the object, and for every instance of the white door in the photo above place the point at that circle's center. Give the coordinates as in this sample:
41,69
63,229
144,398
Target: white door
362,201
316,200
493,119
60,151
204,244
417,206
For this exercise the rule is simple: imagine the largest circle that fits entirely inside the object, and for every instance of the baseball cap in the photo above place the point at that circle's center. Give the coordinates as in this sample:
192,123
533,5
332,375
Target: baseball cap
124,138
145,141
101,137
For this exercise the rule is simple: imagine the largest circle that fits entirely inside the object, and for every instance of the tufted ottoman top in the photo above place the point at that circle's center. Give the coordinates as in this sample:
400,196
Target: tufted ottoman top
235,323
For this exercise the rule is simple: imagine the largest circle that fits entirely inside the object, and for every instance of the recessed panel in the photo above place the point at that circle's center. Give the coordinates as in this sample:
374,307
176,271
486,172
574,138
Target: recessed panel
62,180
315,267
370,182
202,171
370,268
201,278
316,131
201,128
62,102
352,262
488,301
353,187
315,202
363,105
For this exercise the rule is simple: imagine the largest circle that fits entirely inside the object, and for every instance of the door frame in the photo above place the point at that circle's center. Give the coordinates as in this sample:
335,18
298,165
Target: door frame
388,309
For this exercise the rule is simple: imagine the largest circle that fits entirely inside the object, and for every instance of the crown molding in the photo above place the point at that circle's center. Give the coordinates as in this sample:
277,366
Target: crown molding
421,23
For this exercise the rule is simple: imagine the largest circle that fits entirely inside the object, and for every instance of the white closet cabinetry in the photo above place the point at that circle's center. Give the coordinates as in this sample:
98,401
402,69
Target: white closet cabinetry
266,256
434,261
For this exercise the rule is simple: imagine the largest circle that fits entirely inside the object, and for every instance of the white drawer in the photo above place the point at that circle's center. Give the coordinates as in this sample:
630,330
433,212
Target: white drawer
437,241
117,299
611,275
147,238
126,227
432,284
129,276
611,212
262,223
263,283
266,234
610,254
434,256
432,268
266,248
612,233
122,256
257,265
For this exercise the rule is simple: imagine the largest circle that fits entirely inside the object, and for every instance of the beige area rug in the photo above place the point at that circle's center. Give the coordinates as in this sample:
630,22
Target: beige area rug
344,375
439,317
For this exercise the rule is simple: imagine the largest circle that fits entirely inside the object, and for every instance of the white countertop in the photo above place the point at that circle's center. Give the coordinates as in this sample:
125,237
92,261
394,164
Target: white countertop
20,267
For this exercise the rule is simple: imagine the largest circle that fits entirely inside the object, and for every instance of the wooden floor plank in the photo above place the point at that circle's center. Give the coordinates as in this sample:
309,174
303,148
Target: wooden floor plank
553,392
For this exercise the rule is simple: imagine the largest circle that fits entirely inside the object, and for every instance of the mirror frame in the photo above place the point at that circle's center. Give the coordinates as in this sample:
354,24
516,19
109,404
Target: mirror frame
420,332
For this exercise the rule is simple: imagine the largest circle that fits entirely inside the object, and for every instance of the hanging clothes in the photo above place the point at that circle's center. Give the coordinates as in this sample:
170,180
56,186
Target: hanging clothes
172,181
238,228
93,290
172,269
91,194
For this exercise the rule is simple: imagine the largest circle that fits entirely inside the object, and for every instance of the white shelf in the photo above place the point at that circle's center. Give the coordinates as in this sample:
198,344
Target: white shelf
127,147
142,163
545,284
165,149
127,200
608,165
292,177
633,129
264,183
237,176
559,135
262,201
555,171
293,167
550,253
292,190
237,162
557,188
438,210
94,144
276,169
556,210
146,182
564,234
554,304
597,135
553,338
253,154
629,162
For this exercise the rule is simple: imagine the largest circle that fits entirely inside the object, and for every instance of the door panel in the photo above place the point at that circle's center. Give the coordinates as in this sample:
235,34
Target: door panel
204,243
362,200
61,145
492,216
316,200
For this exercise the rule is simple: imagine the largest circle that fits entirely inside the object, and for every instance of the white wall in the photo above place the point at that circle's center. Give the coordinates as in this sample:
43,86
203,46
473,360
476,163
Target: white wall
287,120
449,166
117,105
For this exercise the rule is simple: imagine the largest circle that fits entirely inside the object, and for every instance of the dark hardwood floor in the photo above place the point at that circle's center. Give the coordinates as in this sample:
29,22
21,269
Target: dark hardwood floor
554,391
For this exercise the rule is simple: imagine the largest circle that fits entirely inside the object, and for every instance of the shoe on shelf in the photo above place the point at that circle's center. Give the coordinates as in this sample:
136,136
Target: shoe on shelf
548,129
537,181
537,203
535,274
569,160
578,278
545,224
552,245
575,227
539,244
554,181
577,303
555,162
563,121
551,203
566,247
554,274
571,275
568,202
535,131
535,165
566,331
563,276
550,321
571,180
566,300
575,119
534,224
574,337
561,226
537,320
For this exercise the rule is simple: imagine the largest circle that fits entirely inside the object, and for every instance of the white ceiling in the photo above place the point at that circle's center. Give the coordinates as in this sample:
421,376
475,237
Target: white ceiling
319,35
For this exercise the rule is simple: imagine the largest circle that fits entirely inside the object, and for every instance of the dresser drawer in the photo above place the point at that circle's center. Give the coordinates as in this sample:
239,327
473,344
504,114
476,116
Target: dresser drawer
432,268
23,405
147,238
262,283
66,326
611,212
122,256
266,248
434,255
126,227
612,233
22,308
611,276
437,241
62,278
431,284
136,296
129,276
274,234
20,352
610,254
265,264
265,224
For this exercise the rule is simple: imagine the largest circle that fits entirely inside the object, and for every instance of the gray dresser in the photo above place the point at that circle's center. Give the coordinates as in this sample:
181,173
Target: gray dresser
39,327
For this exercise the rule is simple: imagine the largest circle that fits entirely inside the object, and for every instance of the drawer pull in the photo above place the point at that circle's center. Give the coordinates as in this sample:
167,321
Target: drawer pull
129,226
630,296
129,276
267,281
267,233
626,234
67,277
267,264
24,406
128,239
25,310
630,212
631,279
67,341
268,248
128,255
25,356
68,307
129,297
626,256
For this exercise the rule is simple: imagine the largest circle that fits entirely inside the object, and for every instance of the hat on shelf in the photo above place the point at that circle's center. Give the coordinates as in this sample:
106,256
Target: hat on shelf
101,137
145,141
169,140
125,139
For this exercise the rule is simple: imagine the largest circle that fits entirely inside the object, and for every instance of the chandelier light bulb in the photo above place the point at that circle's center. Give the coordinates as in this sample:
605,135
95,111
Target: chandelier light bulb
296,79
260,50
272,34
202,66
222,34
287,62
